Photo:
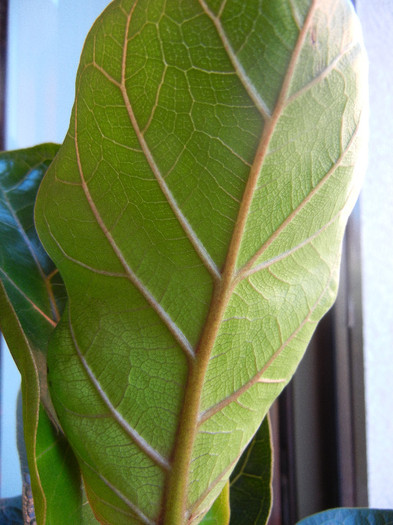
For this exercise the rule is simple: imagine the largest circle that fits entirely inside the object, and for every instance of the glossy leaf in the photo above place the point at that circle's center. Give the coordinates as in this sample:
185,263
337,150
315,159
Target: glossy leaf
195,211
251,481
350,517
31,298
28,275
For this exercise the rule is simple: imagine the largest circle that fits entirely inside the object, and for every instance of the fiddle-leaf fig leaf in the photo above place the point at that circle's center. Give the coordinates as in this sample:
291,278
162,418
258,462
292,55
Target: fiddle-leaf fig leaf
31,293
32,297
195,212
220,511
251,481
29,277
32,290
350,516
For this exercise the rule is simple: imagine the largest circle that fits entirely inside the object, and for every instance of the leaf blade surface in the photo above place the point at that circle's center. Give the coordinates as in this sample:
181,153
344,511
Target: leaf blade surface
31,299
251,481
350,516
195,211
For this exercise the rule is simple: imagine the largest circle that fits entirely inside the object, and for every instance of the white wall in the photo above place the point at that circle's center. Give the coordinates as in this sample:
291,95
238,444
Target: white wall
377,252
45,42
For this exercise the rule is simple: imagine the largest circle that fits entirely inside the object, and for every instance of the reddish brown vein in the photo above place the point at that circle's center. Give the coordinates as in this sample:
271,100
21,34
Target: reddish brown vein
247,269
257,378
27,298
187,430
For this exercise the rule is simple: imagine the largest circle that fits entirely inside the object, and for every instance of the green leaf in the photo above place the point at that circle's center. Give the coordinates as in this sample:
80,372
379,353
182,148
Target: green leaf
28,275
196,211
31,284
60,478
251,490
31,298
219,512
350,517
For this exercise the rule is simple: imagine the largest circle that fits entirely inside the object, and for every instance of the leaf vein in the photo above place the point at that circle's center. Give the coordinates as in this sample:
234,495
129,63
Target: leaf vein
143,445
247,269
246,81
133,507
170,324
183,221
31,250
30,301
322,74
258,377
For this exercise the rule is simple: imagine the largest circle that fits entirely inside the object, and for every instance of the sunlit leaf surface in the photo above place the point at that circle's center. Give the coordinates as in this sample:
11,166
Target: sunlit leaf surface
219,513
195,212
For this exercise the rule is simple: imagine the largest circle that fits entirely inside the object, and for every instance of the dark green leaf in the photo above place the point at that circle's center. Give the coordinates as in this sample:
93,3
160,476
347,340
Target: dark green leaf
350,517
11,511
32,297
251,490
196,211
29,277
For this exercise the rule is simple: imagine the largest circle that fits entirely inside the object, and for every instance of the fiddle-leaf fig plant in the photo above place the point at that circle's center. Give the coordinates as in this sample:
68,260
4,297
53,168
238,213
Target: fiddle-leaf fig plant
194,215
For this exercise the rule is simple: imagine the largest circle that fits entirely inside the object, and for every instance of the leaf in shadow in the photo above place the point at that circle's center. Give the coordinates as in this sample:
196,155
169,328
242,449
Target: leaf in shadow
350,516
251,489
32,297
11,511
196,211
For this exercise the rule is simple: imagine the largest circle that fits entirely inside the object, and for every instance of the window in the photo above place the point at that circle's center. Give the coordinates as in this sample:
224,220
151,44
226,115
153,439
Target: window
40,92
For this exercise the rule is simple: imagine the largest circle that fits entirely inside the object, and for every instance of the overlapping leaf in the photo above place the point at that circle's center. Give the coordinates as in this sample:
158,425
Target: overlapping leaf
195,212
28,275
220,511
350,516
251,481
31,298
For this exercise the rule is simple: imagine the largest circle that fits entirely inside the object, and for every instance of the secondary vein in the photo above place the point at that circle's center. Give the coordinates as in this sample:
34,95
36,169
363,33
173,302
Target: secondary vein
143,445
248,269
246,81
22,232
30,301
258,377
183,221
132,277
133,507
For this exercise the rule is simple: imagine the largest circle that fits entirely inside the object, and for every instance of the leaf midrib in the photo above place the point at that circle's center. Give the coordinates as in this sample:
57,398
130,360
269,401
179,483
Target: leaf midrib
254,380
188,427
